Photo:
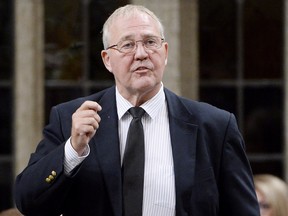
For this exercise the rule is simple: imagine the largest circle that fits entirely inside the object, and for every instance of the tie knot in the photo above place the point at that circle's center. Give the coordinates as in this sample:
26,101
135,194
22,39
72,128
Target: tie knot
136,112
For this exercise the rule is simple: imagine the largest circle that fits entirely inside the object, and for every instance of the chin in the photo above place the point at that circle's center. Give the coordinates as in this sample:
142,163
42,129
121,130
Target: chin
147,86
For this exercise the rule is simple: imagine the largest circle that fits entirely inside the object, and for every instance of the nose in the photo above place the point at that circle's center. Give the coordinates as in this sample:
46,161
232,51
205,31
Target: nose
140,52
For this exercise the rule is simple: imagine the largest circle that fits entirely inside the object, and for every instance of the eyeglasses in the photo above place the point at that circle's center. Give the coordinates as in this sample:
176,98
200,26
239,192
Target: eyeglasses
129,46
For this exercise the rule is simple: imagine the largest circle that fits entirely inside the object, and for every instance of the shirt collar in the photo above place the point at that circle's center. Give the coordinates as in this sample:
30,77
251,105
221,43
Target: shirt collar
151,107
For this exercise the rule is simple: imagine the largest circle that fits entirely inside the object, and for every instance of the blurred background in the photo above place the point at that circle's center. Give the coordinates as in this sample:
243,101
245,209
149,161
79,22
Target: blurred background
230,53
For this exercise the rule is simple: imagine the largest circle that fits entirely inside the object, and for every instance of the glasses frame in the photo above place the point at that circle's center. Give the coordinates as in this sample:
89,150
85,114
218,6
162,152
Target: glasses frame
115,46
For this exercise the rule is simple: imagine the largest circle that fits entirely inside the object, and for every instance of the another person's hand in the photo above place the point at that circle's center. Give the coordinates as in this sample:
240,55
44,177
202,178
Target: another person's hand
85,122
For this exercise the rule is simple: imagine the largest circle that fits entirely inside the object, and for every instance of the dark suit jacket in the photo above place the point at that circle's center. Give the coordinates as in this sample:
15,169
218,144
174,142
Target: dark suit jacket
212,174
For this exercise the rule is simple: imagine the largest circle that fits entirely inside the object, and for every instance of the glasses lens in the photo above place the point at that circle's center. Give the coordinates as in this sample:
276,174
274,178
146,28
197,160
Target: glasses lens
126,46
152,43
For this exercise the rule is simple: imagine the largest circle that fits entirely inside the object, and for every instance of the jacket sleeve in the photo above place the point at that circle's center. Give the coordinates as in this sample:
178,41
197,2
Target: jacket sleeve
235,184
42,186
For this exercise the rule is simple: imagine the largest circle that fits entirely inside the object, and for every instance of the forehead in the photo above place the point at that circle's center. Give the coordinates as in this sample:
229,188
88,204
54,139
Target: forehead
134,25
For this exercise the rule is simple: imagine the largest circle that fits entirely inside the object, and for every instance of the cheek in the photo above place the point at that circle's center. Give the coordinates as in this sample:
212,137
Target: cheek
120,69
160,65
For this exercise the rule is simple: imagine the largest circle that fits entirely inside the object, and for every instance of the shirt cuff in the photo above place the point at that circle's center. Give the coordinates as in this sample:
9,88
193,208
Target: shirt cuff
71,158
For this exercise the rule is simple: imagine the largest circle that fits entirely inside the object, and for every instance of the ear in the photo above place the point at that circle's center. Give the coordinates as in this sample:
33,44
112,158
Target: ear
106,60
166,53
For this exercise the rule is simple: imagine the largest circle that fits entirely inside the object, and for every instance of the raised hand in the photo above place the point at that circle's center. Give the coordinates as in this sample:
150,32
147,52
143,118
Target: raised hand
85,122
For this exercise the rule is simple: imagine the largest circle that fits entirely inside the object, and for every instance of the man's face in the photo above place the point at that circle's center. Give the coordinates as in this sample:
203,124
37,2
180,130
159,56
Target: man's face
140,72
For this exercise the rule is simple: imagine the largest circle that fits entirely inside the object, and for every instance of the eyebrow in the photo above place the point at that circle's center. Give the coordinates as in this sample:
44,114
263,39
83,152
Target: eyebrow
129,37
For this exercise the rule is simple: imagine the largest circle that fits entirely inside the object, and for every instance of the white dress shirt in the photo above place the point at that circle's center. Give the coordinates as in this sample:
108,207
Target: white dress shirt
159,183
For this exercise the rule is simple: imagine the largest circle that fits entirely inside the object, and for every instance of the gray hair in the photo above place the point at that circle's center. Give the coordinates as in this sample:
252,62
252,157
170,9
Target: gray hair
126,11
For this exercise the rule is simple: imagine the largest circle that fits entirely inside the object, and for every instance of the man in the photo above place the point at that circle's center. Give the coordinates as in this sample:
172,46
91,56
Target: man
195,163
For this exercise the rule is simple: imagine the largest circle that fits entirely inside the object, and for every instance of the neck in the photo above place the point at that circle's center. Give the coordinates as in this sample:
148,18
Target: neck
137,98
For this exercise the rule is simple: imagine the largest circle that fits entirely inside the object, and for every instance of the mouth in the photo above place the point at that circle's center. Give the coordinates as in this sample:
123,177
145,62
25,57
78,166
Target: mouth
141,69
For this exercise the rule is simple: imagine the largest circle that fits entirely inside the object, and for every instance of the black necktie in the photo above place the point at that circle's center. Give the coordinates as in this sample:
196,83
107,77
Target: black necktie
133,165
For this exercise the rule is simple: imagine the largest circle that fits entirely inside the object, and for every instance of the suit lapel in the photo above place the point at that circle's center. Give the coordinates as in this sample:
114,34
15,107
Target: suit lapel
106,141
183,138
